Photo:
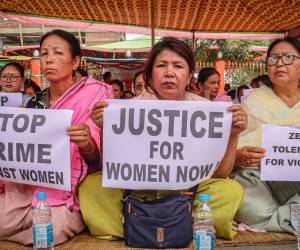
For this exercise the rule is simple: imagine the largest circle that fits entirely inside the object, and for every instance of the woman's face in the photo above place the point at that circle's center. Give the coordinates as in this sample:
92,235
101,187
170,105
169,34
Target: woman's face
170,76
139,85
211,85
56,60
11,80
30,91
281,74
116,91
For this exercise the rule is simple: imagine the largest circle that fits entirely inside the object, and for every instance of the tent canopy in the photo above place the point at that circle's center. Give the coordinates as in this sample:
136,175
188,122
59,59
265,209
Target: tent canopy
184,15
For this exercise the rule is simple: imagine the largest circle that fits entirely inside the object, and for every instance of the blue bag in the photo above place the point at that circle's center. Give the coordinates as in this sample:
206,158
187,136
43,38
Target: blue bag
162,223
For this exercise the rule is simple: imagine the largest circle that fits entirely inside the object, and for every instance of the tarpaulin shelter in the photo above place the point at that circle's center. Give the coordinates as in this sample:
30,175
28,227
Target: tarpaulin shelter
216,19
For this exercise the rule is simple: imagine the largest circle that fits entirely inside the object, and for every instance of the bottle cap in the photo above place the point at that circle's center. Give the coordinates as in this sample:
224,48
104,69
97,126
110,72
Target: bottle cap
204,197
41,195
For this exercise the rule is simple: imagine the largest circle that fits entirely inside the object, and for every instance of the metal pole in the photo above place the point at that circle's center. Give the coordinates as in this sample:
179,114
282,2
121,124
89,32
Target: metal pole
79,36
152,23
21,35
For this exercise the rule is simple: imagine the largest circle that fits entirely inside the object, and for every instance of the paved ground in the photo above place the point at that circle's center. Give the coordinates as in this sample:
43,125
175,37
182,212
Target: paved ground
274,247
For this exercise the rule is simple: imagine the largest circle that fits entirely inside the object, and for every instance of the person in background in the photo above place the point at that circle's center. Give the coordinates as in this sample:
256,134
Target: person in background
240,93
60,57
106,77
139,83
127,94
193,86
278,103
209,84
260,81
168,73
12,80
118,88
31,87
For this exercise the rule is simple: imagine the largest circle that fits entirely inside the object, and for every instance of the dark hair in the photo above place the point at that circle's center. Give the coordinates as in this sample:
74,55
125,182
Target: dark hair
262,78
106,75
32,84
172,44
68,37
265,79
118,83
136,75
18,66
82,72
291,40
205,73
232,94
127,92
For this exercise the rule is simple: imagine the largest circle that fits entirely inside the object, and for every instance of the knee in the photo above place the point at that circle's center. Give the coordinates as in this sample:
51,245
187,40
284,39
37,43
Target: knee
233,190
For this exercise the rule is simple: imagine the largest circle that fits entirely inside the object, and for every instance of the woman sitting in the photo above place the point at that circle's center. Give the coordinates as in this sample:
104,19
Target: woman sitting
60,57
168,73
278,104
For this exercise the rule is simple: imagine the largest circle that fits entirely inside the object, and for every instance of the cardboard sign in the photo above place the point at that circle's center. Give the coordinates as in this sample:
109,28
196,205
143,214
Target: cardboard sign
34,147
168,145
282,160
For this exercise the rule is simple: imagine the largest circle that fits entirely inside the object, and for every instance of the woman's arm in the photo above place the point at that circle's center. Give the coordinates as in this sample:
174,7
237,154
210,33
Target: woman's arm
226,165
239,123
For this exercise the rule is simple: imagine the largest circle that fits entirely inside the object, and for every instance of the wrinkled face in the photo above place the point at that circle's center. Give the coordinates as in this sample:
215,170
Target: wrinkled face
116,91
212,84
56,60
170,76
281,74
139,85
11,80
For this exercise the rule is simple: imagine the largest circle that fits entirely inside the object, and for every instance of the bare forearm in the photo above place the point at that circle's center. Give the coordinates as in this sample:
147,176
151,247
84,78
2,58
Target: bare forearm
227,163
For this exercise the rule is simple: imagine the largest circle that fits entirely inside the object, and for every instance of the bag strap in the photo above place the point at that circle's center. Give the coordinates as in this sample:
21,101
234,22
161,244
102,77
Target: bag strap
193,190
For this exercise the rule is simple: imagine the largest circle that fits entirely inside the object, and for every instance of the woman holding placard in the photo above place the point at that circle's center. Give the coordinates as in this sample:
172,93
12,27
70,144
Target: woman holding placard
167,74
275,104
60,57
12,80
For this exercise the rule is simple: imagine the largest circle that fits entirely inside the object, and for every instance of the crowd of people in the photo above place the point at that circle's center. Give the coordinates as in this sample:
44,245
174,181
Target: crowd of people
236,191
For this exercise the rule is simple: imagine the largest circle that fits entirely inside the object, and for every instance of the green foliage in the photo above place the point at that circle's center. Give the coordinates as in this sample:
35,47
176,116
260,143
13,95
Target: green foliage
232,50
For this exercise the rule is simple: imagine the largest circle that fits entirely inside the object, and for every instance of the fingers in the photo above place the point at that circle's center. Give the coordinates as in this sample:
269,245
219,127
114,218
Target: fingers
251,156
80,134
97,113
256,149
99,105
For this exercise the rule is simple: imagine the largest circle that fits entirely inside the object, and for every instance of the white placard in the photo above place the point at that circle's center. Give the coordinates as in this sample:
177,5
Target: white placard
282,160
34,147
169,145
10,99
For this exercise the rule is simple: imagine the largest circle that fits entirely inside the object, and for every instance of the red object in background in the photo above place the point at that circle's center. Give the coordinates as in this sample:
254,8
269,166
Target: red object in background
220,67
35,70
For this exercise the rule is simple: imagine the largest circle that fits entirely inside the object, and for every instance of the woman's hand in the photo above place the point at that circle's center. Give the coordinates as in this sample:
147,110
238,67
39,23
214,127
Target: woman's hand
249,156
81,135
239,120
97,113
2,187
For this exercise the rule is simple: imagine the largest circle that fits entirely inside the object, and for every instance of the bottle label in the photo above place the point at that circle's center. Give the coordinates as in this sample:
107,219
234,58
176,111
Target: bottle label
203,240
42,235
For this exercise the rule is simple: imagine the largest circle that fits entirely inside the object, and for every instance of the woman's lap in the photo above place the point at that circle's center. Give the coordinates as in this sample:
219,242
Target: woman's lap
102,207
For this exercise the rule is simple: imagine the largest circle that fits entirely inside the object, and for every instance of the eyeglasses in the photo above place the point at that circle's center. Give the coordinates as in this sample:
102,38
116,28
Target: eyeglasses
8,77
286,59
139,85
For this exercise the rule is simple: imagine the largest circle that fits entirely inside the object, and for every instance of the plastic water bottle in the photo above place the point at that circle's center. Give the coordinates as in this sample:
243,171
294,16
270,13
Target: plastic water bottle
42,224
204,232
